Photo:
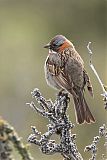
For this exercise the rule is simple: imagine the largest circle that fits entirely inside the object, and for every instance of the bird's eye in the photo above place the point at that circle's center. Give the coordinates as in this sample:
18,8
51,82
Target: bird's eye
54,44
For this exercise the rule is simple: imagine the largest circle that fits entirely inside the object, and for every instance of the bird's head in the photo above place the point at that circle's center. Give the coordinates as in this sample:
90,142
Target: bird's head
58,43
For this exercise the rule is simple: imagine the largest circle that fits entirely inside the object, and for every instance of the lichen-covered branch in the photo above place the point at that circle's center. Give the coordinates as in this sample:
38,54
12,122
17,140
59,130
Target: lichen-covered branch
104,88
58,124
9,136
93,147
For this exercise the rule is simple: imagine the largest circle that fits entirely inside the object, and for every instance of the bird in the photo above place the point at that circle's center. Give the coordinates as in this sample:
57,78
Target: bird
64,71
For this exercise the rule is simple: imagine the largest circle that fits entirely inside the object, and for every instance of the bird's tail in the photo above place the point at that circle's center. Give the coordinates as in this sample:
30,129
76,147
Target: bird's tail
83,113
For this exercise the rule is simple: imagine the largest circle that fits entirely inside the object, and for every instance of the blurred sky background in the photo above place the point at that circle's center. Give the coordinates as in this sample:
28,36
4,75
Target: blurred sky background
25,27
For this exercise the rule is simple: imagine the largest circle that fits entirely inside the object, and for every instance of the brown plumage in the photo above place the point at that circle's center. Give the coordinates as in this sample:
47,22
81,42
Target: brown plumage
64,69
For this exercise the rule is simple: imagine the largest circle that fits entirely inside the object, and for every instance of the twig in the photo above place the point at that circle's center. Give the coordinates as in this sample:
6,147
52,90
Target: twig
93,147
58,124
104,94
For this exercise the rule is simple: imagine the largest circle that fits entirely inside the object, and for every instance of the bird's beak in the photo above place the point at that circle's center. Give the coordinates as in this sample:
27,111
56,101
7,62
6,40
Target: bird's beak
47,46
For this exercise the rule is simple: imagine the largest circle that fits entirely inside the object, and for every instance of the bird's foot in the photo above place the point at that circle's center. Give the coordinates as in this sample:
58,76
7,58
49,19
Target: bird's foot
61,92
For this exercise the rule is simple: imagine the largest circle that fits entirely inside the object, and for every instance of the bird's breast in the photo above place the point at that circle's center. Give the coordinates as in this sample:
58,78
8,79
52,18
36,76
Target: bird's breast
54,59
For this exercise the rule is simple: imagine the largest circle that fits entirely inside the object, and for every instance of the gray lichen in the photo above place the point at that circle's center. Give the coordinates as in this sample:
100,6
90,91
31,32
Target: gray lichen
93,147
58,124
8,136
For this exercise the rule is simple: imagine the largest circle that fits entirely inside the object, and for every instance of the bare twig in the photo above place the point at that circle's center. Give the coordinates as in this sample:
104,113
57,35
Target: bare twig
104,94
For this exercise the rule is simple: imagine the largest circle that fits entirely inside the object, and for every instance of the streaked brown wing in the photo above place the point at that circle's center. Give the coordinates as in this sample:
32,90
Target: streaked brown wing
55,71
52,68
64,80
88,82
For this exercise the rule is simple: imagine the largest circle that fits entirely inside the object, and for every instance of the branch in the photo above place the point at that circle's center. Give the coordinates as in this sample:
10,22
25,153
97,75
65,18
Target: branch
8,135
93,147
58,124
